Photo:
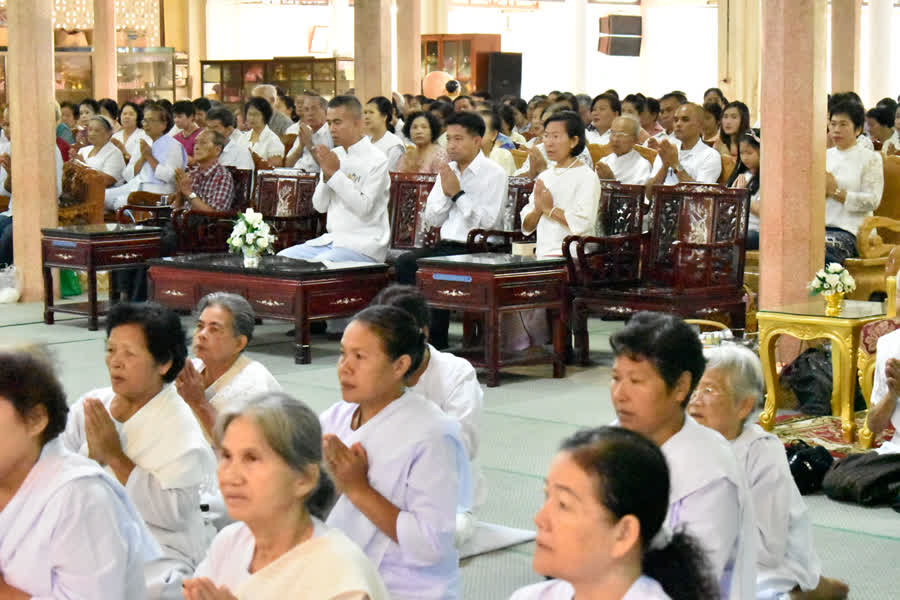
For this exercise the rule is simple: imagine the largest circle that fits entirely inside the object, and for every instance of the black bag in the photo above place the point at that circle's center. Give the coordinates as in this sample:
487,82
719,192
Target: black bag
808,465
809,377
866,479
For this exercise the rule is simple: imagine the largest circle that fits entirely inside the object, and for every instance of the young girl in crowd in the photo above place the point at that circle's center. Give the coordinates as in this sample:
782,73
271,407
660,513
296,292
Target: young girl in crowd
601,530
746,175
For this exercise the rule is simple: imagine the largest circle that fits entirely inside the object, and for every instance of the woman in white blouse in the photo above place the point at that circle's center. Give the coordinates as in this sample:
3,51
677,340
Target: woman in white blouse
377,116
102,155
128,138
270,473
261,140
601,531
854,181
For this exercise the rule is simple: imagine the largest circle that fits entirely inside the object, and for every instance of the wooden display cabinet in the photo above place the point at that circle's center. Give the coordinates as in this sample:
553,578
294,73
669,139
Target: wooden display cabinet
464,56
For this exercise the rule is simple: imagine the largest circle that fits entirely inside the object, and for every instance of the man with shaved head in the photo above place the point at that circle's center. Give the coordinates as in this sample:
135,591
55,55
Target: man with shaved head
624,163
694,161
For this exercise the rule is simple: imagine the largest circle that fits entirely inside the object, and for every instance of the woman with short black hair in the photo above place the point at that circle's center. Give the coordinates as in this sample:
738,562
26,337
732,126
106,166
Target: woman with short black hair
602,525
398,461
128,138
426,156
854,181
261,140
53,501
658,362
148,437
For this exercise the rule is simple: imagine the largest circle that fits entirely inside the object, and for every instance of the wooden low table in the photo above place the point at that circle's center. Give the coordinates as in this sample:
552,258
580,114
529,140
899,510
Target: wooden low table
92,248
280,288
492,284
807,321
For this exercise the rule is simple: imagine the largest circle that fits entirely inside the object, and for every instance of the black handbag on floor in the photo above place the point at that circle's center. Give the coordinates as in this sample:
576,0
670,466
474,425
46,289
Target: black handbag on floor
868,479
808,465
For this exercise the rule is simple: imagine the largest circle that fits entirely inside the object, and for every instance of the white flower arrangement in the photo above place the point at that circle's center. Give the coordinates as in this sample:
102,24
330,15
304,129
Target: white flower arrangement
833,279
251,235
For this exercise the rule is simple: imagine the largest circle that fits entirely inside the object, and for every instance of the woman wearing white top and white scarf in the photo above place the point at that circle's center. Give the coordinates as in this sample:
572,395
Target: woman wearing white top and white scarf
102,155
148,438
854,182
261,140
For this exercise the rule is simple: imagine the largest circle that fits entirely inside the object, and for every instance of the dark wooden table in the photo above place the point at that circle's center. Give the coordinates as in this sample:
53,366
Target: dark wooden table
491,284
280,288
92,248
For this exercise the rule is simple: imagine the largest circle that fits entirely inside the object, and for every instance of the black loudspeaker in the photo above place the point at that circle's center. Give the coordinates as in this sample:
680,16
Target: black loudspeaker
504,74
620,35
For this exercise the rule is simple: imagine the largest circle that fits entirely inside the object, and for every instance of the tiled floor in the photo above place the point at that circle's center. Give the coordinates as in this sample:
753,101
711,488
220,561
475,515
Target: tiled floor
525,419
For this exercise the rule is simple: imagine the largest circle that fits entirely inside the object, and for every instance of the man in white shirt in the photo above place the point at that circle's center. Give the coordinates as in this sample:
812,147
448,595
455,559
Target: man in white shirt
624,163
694,161
668,104
313,131
234,154
352,190
469,193
604,109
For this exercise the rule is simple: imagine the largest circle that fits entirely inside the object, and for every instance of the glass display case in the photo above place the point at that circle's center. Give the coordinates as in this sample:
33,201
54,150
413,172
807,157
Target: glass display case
232,81
145,73
463,56
73,80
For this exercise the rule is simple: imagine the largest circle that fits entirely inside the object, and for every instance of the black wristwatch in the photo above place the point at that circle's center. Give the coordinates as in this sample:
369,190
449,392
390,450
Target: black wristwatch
456,196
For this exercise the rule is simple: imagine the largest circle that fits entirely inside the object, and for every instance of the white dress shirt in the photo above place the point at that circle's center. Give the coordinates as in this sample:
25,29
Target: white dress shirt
575,191
392,146
170,155
888,347
236,155
785,556
858,171
108,159
864,141
320,137
268,144
702,163
592,136
356,200
630,168
484,187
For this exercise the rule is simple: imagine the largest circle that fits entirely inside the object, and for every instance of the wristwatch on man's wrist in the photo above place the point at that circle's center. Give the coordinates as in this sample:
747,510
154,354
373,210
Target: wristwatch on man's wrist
456,196
192,196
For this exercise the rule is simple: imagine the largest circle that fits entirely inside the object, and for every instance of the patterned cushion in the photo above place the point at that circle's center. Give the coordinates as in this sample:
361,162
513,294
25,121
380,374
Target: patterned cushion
868,338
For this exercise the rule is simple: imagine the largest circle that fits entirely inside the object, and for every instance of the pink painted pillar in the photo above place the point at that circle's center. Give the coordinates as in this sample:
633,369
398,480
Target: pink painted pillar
792,228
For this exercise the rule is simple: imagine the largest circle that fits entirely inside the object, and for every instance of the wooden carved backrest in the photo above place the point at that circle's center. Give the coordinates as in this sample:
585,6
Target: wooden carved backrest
285,193
518,192
82,198
620,208
890,197
697,235
243,186
408,195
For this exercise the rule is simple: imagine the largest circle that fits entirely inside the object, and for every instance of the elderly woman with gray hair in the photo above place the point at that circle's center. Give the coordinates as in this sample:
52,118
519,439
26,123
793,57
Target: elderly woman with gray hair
102,155
270,473
786,562
219,373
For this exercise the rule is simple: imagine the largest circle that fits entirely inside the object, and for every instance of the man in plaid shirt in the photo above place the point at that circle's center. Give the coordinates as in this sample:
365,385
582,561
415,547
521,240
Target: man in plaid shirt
207,185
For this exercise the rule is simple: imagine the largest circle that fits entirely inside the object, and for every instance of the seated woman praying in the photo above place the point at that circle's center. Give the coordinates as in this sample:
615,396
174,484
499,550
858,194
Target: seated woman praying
270,455
67,529
451,383
145,434
398,461
261,140
786,562
602,532
102,155
658,362
220,373
427,156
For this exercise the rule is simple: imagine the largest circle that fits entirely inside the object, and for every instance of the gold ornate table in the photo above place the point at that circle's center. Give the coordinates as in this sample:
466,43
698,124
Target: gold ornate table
807,321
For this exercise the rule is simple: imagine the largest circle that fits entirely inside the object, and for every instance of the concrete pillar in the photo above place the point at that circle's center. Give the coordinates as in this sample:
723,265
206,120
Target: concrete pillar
792,228
881,62
578,19
409,46
104,43
845,44
196,45
372,48
739,52
29,72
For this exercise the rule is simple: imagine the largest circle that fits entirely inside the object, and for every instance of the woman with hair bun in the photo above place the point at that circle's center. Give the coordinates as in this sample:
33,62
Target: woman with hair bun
398,461
271,478
602,532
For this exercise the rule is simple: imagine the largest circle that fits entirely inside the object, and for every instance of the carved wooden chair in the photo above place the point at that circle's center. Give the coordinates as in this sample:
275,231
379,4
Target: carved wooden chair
691,262
406,209
82,198
519,191
284,197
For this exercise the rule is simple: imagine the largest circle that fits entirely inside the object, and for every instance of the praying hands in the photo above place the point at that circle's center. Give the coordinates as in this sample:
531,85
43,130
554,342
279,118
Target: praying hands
668,153
536,162
449,181
543,199
204,589
328,161
349,467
